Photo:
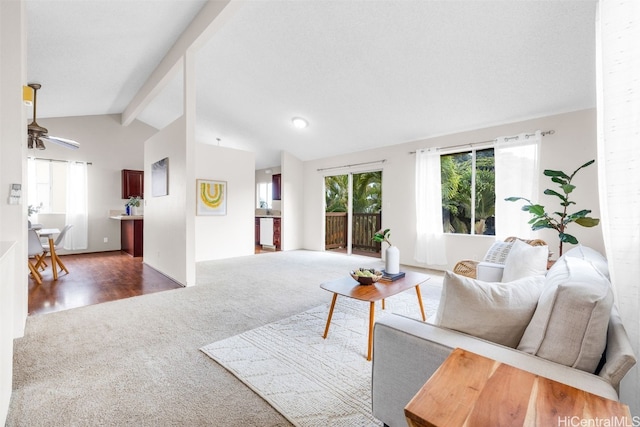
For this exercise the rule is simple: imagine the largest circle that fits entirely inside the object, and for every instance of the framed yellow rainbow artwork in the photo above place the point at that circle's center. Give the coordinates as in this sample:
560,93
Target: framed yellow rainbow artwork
211,197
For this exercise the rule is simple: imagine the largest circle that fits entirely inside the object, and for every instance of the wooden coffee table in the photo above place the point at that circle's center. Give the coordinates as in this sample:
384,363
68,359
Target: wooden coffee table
472,390
349,287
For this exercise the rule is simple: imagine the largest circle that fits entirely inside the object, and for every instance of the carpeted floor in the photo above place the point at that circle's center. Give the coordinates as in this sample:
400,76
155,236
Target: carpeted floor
136,362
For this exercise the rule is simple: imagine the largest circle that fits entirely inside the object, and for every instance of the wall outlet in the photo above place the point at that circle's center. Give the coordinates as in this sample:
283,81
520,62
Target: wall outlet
106,240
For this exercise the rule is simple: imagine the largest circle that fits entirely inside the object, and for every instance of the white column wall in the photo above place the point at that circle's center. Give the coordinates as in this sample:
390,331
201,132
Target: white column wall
13,218
292,229
165,232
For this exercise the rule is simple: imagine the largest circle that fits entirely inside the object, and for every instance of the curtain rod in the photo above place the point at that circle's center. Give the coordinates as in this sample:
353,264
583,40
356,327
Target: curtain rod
471,144
56,160
354,164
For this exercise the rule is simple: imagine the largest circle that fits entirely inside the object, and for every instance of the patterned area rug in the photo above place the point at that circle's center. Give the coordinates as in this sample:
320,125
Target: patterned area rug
313,381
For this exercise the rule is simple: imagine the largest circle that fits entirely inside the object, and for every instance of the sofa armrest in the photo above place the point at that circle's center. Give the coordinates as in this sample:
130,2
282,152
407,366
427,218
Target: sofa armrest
402,362
490,271
619,356
406,352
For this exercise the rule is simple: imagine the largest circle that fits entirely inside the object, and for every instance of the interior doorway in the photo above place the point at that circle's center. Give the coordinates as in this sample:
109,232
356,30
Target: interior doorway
353,212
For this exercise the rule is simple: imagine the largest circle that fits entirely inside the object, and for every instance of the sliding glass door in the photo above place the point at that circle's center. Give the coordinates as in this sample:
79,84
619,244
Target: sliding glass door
353,212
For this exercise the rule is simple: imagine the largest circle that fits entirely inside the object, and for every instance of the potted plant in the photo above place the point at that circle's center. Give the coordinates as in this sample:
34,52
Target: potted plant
561,219
392,254
32,210
132,204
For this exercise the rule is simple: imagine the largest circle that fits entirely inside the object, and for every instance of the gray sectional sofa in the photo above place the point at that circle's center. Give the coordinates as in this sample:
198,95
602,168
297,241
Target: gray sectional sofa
573,335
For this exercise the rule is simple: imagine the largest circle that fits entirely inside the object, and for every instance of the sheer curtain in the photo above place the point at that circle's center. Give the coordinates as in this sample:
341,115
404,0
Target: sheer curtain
77,208
32,191
618,101
517,173
430,244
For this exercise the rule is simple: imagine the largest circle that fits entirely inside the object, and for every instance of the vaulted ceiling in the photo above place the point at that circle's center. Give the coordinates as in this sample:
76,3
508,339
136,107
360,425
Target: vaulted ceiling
363,73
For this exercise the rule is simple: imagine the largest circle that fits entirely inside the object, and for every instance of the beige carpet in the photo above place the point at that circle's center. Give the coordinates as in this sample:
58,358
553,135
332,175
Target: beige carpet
313,382
136,362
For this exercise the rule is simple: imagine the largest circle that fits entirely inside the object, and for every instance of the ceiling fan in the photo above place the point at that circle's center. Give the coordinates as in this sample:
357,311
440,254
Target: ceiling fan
38,134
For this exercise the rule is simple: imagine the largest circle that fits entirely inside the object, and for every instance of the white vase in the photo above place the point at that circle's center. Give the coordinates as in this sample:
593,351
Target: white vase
392,260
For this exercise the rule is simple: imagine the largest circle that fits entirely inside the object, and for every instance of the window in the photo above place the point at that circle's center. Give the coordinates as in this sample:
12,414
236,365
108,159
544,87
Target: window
468,192
264,195
48,185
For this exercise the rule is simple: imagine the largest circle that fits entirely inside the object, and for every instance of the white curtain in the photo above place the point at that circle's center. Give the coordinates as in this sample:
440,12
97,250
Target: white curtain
31,182
618,101
430,244
517,173
77,207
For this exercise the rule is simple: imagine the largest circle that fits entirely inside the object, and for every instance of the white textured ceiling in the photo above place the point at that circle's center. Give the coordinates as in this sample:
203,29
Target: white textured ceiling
364,73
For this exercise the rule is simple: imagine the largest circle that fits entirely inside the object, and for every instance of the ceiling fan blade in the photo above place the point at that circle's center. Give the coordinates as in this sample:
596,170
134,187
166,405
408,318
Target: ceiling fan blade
67,143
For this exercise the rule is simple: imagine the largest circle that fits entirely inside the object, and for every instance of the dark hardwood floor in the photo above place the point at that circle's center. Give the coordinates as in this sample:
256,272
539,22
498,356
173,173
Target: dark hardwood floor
94,278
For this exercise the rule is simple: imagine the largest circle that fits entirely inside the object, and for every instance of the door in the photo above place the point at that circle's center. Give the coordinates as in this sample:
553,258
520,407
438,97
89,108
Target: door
353,212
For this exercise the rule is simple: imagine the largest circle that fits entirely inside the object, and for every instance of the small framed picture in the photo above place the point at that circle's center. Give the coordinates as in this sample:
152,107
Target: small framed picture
160,178
211,197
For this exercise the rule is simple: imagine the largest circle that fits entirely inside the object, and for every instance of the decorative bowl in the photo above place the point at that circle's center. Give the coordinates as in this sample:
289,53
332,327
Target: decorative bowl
371,277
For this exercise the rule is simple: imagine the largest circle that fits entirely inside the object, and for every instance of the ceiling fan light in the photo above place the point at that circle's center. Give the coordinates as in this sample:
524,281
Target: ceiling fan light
40,144
299,122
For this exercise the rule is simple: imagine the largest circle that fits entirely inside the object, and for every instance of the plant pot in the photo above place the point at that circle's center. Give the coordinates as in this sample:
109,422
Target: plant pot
392,260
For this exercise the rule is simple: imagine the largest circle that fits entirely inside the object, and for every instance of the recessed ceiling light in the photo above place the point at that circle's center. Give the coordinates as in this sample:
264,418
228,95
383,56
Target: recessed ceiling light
299,123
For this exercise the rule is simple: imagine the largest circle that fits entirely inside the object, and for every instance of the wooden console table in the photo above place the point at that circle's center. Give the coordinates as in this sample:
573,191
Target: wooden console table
473,390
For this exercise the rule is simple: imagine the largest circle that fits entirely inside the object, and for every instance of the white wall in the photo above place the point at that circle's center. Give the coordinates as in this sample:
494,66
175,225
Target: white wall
165,231
292,228
13,218
573,143
110,147
231,235
8,262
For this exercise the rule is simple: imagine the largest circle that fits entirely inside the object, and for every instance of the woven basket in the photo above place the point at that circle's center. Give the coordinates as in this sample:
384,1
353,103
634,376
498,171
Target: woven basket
534,242
364,280
466,268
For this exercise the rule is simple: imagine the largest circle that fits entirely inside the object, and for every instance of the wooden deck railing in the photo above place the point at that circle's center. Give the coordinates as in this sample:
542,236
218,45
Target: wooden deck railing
335,230
364,227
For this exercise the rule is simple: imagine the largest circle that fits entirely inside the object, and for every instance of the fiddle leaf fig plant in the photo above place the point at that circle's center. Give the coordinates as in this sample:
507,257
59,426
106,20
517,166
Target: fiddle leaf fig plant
559,220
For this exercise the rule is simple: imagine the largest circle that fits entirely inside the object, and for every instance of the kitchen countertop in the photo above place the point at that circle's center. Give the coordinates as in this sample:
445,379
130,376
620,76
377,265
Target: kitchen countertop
126,217
268,216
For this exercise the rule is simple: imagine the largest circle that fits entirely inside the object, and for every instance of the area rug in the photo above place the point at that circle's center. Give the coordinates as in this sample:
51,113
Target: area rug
313,381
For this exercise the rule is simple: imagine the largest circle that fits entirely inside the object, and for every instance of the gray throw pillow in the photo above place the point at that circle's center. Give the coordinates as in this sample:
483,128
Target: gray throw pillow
497,312
570,324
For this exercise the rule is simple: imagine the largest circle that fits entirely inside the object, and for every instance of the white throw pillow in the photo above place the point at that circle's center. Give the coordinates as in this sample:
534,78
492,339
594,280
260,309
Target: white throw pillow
570,324
498,252
497,312
525,260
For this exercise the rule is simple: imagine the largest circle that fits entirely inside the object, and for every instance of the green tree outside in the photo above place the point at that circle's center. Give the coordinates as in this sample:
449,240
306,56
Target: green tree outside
367,192
456,175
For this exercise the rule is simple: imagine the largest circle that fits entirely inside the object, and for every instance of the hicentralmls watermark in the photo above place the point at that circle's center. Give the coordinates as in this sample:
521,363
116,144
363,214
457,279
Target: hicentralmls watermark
613,421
